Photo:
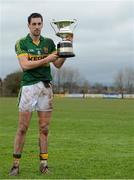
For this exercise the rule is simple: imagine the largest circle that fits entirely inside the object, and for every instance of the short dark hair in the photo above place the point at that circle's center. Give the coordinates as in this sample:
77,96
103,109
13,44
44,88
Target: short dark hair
34,15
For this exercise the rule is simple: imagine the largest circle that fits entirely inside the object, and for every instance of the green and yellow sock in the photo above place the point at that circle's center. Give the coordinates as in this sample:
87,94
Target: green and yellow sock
16,160
44,158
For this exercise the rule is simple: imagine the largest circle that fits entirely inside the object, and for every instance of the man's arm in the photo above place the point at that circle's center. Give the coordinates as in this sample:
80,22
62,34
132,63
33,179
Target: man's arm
59,62
26,64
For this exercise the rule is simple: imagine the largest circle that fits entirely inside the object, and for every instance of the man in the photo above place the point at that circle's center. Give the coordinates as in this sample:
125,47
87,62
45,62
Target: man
35,53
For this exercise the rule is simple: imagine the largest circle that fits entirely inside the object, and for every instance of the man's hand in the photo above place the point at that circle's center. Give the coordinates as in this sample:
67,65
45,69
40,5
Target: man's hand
69,37
52,57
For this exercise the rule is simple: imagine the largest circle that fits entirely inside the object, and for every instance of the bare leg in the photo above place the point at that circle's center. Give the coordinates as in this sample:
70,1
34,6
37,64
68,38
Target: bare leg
24,120
44,120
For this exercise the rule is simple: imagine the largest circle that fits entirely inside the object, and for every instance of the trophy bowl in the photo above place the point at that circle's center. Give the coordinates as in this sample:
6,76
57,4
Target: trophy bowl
63,29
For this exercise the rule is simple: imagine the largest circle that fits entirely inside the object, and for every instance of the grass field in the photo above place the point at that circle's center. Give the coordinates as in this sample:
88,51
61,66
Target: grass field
88,139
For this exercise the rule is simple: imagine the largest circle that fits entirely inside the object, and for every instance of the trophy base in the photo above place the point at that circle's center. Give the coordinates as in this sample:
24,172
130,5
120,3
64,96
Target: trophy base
65,49
66,55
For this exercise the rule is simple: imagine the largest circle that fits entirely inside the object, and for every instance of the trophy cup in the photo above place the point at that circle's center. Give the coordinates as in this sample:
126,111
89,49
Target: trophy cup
63,29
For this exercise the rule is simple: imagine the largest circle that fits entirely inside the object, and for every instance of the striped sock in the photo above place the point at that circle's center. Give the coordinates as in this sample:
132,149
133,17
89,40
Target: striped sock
16,160
43,158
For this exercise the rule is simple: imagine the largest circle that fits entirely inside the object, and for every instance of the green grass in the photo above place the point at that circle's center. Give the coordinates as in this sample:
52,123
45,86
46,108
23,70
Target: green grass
88,139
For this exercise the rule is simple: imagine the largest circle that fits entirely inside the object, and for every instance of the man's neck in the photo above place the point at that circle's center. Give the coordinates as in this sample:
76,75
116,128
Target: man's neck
35,38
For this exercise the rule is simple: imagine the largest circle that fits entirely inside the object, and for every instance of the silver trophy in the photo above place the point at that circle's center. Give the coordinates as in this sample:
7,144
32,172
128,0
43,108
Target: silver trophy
63,29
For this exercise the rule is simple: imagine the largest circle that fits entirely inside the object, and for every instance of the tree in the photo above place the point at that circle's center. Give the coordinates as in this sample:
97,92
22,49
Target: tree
11,84
1,83
85,89
124,81
119,82
129,80
66,79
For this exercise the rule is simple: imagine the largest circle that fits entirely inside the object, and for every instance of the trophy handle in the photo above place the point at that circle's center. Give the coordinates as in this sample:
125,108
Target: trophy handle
51,23
76,23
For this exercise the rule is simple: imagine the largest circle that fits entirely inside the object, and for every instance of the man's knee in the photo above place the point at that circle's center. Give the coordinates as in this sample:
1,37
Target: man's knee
22,130
44,129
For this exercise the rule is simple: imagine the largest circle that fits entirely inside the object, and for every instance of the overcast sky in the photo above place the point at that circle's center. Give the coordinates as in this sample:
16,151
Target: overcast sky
103,38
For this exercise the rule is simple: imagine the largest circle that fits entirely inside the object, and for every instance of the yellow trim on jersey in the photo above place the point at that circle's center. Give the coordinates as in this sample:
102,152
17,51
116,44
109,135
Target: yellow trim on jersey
36,42
20,55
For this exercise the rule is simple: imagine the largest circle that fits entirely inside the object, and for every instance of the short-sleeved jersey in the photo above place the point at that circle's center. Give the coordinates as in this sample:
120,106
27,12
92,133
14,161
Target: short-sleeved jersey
34,52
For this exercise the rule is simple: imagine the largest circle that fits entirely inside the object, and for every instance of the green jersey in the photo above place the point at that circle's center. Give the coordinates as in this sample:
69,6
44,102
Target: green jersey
35,52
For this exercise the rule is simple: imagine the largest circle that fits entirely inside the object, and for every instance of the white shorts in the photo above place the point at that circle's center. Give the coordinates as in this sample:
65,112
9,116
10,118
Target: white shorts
36,97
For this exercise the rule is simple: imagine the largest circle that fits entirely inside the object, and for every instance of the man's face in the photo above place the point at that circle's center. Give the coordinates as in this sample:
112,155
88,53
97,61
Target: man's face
35,26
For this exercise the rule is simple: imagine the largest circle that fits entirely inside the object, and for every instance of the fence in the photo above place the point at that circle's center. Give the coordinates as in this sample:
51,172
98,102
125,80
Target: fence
110,96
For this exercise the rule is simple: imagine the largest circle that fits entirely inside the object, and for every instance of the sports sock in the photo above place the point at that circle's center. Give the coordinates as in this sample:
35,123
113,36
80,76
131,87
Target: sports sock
16,160
44,158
